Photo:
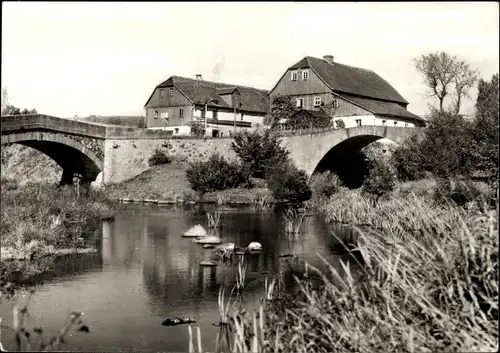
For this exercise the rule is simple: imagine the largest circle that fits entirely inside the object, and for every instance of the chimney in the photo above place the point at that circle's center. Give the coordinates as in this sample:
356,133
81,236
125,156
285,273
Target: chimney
328,58
198,77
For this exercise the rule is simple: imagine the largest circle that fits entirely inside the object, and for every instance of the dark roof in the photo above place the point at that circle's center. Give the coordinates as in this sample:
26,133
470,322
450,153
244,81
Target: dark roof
349,79
224,91
200,91
381,107
314,113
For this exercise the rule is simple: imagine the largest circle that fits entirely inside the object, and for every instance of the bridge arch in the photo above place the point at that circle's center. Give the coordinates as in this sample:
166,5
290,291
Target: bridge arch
69,153
340,150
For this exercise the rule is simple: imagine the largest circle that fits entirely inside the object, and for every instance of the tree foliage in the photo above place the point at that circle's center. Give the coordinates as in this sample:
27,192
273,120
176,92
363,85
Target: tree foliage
197,129
259,151
446,76
306,121
452,146
282,107
214,174
289,184
12,110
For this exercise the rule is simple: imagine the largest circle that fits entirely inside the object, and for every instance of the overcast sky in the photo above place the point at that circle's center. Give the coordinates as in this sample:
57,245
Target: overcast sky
105,58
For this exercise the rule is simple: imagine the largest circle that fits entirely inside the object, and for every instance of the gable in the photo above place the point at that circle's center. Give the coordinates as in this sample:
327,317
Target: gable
172,96
287,87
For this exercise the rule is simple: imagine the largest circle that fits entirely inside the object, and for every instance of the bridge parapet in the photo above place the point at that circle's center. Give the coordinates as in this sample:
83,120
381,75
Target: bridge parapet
16,123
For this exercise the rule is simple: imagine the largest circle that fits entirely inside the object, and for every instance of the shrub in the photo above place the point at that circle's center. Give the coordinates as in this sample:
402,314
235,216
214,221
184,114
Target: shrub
340,124
197,129
259,151
324,185
407,160
159,157
381,179
214,174
289,184
142,124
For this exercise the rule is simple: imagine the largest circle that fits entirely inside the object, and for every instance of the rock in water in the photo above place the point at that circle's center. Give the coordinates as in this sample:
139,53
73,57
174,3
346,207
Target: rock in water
209,239
174,321
196,231
254,246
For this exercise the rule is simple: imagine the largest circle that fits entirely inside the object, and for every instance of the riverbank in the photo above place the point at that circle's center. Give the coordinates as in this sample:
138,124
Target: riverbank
168,184
428,282
40,221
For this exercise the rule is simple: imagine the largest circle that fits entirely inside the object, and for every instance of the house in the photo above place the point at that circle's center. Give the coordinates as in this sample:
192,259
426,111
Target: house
355,96
179,102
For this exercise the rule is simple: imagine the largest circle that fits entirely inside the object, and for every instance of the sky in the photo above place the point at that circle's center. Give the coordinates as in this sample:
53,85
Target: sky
68,59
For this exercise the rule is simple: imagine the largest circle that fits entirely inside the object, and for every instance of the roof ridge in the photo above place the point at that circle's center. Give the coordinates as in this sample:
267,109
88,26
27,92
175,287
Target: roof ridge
337,63
220,83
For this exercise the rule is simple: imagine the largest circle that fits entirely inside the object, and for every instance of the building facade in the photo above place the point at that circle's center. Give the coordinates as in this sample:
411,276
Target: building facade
355,96
178,103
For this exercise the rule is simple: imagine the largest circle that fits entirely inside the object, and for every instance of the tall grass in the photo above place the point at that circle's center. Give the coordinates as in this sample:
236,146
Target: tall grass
262,203
436,292
25,337
293,220
213,219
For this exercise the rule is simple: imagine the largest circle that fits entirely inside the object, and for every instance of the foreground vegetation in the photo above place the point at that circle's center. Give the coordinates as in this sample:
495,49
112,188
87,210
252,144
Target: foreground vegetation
437,291
41,220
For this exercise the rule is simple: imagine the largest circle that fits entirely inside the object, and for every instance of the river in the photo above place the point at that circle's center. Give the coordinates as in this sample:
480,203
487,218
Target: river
145,272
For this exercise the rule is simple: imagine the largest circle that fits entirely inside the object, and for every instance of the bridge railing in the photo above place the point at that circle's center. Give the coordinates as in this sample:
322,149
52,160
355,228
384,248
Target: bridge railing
41,121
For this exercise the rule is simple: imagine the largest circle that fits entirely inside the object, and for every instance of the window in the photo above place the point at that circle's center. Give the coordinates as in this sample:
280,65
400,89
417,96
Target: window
395,123
181,112
156,114
335,103
384,122
295,75
305,75
242,116
406,124
176,130
171,91
317,101
215,114
358,122
161,93
299,102
164,115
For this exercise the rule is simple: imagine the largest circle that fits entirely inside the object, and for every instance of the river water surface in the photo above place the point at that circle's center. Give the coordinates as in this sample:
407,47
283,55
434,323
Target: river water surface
145,272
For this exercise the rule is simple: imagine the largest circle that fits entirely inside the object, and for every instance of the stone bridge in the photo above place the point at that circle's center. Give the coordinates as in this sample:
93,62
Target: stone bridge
112,154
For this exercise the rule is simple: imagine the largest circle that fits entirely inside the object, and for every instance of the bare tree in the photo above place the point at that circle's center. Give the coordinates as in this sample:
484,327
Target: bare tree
446,76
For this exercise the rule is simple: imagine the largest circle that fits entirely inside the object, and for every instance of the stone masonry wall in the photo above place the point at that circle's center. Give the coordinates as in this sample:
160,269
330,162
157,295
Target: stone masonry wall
124,158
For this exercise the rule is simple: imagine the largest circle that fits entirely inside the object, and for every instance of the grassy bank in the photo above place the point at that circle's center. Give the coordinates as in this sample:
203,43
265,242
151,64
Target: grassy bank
41,220
169,183
428,282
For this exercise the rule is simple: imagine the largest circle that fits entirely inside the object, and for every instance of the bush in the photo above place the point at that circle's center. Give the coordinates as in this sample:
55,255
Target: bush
197,129
214,174
142,124
340,124
324,185
159,157
381,179
289,184
259,152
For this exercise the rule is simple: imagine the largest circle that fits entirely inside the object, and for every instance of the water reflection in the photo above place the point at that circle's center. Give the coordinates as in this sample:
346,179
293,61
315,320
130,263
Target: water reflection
146,271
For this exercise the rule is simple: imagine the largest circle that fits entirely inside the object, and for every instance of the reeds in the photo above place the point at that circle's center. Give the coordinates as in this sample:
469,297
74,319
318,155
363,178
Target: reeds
213,219
293,220
24,337
262,203
241,275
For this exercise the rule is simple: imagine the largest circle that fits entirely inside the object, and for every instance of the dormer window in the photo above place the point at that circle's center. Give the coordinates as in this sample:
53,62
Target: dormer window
317,101
295,75
305,74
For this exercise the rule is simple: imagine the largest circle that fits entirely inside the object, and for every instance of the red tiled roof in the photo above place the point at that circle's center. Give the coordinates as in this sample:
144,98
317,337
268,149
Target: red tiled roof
349,79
